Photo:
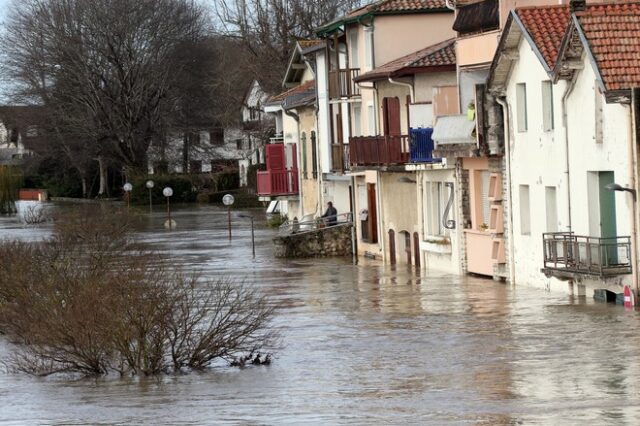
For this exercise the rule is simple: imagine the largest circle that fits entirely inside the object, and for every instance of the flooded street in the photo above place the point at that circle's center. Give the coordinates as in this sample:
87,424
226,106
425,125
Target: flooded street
364,344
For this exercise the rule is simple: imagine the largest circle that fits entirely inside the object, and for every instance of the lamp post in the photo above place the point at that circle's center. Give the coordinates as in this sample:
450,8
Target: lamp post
253,240
150,186
127,191
228,200
168,192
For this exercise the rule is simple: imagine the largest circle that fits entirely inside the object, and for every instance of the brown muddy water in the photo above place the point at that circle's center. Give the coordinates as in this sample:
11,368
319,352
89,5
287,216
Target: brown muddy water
364,344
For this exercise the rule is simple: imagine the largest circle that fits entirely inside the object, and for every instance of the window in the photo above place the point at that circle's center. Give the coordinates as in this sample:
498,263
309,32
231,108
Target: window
357,118
552,208
547,106
239,144
353,45
368,47
598,117
436,196
216,136
525,211
371,118
521,105
485,178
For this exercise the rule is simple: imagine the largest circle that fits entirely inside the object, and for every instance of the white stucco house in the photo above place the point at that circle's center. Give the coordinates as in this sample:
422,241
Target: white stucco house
568,135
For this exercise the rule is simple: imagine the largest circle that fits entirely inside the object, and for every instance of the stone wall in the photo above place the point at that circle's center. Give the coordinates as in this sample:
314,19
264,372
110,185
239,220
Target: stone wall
335,241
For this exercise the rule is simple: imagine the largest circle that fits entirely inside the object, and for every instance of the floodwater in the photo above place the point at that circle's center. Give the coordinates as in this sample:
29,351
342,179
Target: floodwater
365,344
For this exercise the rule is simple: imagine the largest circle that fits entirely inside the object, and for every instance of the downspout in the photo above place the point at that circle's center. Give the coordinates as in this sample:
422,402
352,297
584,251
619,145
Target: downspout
565,96
633,166
402,83
507,146
297,118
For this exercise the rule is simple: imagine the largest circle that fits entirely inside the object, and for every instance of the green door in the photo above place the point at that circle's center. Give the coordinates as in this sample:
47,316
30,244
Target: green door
608,227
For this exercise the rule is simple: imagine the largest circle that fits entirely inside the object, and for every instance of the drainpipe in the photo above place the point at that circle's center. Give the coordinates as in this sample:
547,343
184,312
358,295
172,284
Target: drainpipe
300,195
565,96
507,145
402,83
633,164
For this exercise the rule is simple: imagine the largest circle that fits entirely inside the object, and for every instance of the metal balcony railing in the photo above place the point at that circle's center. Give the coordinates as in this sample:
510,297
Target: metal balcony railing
378,150
341,84
277,182
568,254
312,224
421,146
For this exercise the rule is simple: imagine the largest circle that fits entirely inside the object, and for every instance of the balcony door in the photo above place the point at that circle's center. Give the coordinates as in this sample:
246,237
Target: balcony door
602,216
275,156
391,116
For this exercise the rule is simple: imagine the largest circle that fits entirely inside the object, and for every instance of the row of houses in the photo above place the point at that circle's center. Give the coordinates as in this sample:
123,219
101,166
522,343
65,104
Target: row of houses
493,137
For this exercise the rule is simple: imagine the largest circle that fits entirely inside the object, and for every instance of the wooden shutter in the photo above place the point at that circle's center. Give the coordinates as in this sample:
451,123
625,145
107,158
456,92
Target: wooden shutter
391,113
275,156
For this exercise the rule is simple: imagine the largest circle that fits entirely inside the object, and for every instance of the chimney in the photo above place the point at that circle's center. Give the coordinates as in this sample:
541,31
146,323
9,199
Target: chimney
577,5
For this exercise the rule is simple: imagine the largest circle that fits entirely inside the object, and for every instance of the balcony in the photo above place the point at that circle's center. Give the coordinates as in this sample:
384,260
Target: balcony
273,183
421,146
379,150
567,255
341,84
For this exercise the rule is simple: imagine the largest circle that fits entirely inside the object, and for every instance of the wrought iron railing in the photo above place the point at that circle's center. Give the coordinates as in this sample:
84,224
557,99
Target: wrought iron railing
277,182
297,227
341,84
567,252
378,150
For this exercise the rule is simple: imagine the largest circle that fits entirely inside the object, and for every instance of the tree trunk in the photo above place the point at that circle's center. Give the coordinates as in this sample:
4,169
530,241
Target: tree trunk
103,177
185,152
84,186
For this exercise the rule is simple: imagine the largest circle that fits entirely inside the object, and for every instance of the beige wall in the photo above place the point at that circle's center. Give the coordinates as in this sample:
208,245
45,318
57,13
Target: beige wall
309,186
399,35
426,82
361,181
477,49
399,208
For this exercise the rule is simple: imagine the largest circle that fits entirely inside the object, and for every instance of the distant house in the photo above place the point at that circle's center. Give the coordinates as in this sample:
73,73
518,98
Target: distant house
21,132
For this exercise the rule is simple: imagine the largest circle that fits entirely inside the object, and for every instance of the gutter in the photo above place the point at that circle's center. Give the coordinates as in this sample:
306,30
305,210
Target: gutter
507,144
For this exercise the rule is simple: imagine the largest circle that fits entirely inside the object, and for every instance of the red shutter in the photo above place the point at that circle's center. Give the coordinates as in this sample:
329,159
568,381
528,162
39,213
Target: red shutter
275,156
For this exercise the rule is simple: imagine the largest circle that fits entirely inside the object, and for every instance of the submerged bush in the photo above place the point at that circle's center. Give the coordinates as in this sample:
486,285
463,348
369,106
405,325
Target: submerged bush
91,301
9,184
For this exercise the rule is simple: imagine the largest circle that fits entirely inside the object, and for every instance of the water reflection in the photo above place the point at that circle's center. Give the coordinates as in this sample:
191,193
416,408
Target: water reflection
365,344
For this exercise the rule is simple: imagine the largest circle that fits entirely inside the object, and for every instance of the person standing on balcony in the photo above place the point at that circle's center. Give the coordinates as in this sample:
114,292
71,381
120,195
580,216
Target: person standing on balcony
330,215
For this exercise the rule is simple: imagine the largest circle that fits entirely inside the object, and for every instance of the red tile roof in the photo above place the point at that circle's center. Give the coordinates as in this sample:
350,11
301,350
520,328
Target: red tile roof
546,25
613,33
409,5
304,44
438,55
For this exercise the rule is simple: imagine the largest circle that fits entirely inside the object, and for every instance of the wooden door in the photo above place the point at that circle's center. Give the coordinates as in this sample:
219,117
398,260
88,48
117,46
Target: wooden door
373,214
391,116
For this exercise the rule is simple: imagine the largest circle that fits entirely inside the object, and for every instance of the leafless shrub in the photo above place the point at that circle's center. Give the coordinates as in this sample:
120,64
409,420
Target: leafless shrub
92,303
35,215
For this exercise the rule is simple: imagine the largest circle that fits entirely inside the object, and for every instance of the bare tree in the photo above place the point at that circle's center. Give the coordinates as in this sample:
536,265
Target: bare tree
92,301
268,29
105,69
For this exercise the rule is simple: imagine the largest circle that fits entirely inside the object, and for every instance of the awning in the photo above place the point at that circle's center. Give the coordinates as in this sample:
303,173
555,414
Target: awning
454,129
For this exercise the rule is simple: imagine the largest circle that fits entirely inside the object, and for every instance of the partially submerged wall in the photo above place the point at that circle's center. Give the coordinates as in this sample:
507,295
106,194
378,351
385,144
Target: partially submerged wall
334,241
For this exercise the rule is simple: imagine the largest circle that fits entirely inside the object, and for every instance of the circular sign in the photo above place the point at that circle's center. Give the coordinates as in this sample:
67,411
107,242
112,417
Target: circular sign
150,184
167,192
228,200
127,187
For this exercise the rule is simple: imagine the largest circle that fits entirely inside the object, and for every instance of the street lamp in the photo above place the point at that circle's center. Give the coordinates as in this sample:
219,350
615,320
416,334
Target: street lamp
253,240
150,186
127,191
228,200
168,192
617,187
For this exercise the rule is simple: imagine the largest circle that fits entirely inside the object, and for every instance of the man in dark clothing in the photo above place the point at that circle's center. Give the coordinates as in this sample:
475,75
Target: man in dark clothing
331,214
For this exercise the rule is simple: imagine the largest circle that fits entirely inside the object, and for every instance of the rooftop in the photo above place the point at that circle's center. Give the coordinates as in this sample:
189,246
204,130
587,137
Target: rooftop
546,26
432,58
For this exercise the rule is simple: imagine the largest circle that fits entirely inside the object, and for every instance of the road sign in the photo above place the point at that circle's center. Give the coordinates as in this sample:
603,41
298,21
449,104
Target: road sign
228,200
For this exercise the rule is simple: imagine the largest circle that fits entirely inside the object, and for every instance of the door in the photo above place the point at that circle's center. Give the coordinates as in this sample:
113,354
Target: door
608,228
275,156
373,214
392,246
391,116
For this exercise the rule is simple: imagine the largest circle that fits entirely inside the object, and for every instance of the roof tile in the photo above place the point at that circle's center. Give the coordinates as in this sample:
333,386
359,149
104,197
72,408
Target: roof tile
546,26
613,33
